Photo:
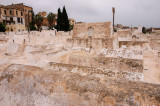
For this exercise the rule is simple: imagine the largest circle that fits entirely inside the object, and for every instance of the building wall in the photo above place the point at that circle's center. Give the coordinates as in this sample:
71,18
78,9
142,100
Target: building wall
16,27
13,17
96,43
43,14
96,30
155,44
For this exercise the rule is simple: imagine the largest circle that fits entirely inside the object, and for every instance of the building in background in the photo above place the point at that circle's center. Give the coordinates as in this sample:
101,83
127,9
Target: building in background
15,16
45,24
25,9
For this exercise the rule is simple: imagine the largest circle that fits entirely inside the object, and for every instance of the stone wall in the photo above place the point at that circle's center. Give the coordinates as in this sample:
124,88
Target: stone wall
96,30
114,74
94,43
120,64
155,44
130,54
124,32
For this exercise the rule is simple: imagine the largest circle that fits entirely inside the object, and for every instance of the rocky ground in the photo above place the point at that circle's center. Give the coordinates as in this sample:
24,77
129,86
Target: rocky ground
22,85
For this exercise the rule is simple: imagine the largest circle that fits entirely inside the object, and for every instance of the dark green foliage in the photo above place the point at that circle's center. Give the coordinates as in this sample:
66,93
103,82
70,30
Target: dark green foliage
115,30
59,20
62,20
65,19
38,21
51,19
71,27
144,30
2,27
32,24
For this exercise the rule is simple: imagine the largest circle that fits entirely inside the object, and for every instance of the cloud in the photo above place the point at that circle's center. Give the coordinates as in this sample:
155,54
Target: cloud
128,12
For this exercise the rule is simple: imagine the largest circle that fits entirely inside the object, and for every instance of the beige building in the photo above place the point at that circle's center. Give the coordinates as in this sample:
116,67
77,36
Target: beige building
45,23
25,10
15,17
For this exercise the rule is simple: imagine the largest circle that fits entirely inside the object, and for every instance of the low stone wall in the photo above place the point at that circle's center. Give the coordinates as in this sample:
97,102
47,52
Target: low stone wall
95,43
155,44
131,54
15,49
133,76
120,64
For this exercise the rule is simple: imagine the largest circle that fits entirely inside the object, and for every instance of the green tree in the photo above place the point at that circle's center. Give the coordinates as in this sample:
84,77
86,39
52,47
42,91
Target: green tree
71,27
32,24
59,20
2,27
62,20
51,19
65,20
144,30
38,21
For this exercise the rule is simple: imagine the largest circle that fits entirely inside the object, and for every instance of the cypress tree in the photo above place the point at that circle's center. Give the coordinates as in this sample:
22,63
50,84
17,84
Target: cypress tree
65,20
2,27
59,20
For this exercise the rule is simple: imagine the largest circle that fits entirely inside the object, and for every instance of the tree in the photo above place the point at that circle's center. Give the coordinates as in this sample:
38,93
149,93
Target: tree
71,27
62,20
65,20
32,24
38,21
59,20
51,18
144,30
2,27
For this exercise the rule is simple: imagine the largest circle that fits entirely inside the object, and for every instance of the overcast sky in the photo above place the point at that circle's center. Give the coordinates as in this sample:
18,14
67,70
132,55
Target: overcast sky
128,12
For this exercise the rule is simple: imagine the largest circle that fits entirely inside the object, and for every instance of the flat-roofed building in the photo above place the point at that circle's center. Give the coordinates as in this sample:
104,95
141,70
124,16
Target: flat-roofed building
25,10
13,18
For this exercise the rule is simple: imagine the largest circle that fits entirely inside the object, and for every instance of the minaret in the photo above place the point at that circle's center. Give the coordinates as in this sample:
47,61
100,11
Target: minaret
113,10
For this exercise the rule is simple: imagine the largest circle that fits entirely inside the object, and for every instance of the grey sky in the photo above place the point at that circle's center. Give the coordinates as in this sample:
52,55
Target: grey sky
128,12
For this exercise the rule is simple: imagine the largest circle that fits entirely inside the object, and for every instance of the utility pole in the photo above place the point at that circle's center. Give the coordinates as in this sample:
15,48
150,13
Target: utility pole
113,10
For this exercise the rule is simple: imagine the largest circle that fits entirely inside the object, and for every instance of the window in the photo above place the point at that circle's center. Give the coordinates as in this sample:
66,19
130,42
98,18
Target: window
16,12
11,18
10,12
18,20
5,12
21,21
21,13
25,10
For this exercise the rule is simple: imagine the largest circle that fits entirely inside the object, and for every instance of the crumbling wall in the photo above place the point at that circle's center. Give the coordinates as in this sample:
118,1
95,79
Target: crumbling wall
15,49
96,30
114,74
93,43
155,44
130,54
124,32
120,64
